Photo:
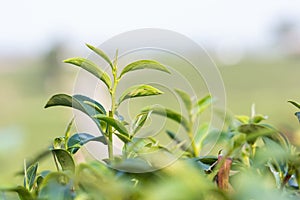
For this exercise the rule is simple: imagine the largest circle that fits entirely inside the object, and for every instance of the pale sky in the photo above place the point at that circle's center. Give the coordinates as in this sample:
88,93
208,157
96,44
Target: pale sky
31,25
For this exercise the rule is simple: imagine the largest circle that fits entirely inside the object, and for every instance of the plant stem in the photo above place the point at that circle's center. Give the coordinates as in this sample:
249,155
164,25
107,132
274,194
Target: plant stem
112,112
191,135
110,141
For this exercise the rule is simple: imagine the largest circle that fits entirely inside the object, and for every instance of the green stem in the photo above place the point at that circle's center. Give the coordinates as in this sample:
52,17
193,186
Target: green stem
112,112
191,135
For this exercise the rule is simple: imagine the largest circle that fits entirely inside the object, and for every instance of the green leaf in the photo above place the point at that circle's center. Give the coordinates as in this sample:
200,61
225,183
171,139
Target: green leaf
185,98
182,144
242,118
203,103
201,135
132,165
101,54
173,136
79,139
139,122
144,64
57,185
258,118
31,174
68,130
253,131
78,102
139,91
65,159
177,117
294,103
92,68
23,193
93,105
123,132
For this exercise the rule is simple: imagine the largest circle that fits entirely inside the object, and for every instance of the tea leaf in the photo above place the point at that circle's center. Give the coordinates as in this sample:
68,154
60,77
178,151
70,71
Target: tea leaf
203,103
144,64
258,118
139,91
92,105
124,135
101,54
242,118
79,139
68,130
56,185
65,159
139,122
92,68
31,174
78,102
177,117
185,98
201,135
254,131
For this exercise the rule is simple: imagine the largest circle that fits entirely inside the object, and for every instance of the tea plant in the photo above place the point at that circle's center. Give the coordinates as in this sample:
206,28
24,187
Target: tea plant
108,121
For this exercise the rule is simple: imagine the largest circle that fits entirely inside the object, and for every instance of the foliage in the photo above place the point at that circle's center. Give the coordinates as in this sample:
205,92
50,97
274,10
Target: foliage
255,160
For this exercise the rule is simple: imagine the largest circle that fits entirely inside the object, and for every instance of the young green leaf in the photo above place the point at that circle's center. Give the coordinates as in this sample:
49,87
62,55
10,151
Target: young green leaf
201,135
258,118
79,139
101,54
124,135
144,64
92,68
68,130
139,91
243,119
31,174
203,103
139,122
173,115
65,159
185,98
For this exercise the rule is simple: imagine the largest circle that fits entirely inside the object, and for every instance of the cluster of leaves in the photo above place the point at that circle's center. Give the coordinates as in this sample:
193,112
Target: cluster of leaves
255,160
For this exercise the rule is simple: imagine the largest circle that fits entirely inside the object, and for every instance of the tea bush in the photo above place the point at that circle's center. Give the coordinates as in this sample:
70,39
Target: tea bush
256,160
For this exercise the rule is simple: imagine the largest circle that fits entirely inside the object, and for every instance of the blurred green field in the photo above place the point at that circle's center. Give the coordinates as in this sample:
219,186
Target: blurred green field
267,83
26,127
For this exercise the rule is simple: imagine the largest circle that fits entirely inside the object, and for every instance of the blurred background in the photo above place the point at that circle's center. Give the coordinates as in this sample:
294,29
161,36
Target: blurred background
256,46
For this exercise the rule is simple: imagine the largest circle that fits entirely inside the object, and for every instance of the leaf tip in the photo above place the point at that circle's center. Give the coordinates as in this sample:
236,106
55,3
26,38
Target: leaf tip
90,46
